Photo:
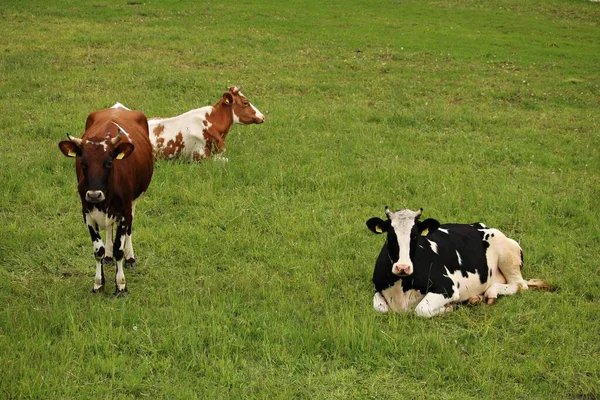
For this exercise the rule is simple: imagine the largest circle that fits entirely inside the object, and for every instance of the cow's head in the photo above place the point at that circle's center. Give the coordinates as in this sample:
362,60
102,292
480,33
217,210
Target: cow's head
95,158
403,229
244,112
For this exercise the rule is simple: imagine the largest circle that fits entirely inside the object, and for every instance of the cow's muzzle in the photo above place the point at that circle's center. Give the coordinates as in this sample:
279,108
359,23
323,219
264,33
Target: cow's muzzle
94,196
402,269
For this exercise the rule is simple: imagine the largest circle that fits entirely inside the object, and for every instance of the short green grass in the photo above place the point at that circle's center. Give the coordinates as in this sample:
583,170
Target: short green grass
253,276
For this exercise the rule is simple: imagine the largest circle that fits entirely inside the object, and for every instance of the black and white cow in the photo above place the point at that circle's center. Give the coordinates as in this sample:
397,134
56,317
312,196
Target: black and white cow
428,267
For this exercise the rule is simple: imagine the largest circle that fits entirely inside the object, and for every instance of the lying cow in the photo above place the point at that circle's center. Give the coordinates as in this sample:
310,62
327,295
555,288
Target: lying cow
428,267
114,167
201,133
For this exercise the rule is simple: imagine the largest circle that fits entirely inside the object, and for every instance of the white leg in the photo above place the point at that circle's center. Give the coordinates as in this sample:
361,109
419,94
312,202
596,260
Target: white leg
501,289
128,248
434,304
379,303
99,251
120,278
109,241
121,287
99,278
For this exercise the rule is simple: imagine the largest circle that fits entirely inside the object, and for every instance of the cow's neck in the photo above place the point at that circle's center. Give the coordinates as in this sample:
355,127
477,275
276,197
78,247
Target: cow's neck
221,118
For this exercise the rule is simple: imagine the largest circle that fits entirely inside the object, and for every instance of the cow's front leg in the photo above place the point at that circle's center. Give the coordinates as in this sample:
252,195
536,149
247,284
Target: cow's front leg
434,304
118,251
108,256
99,252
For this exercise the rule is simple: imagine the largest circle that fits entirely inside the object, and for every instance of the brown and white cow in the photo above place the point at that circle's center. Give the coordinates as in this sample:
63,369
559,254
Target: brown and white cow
201,133
114,166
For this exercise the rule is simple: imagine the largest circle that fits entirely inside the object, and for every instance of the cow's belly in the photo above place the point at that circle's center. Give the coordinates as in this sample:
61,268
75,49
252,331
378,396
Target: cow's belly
468,286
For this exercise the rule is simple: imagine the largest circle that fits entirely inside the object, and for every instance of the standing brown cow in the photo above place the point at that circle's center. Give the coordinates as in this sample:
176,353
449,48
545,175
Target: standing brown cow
114,166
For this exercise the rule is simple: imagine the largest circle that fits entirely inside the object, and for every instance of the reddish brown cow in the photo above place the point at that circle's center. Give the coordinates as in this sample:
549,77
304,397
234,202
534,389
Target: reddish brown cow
114,167
201,133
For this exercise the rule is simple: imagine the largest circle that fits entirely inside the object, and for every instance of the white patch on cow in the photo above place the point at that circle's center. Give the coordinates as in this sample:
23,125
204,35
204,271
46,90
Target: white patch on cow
98,276
123,130
120,278
119,105
99,217
190,125
433,304
465,288
103,144
433,245
379,303
459,258
236,120
443,230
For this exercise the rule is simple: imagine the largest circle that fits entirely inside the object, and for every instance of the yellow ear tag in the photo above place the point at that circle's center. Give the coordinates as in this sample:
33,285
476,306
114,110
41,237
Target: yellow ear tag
378,229
424,232
72,153
120,156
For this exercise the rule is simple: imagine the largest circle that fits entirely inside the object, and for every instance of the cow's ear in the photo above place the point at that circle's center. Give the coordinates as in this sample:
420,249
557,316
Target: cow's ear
123,150
377,225
227,98
69,148
428,226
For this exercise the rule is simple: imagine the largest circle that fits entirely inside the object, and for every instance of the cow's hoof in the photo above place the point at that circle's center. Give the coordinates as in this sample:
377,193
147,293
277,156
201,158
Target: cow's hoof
97,290
119,294
474,300
107,260
130,264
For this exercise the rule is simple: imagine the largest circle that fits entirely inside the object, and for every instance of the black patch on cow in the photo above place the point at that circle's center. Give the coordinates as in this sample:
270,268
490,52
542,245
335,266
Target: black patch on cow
95,235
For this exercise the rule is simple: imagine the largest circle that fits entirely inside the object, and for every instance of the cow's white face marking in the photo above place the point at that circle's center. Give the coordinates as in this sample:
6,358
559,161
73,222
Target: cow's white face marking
403,222
103,144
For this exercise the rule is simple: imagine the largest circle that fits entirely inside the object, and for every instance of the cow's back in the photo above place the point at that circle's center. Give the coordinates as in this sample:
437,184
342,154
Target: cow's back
134,171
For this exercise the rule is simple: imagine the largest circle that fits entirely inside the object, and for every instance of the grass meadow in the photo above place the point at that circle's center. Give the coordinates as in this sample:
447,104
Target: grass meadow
254,275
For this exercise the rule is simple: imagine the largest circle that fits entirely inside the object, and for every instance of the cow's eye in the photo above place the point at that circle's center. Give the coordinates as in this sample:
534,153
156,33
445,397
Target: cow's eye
108,164
246,104
84,166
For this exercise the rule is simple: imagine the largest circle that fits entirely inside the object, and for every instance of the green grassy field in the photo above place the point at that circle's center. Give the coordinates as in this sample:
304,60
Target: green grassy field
254,276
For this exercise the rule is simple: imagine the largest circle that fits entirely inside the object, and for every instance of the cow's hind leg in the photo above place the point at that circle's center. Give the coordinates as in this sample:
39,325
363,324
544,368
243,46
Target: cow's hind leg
434,304
501,289
99,252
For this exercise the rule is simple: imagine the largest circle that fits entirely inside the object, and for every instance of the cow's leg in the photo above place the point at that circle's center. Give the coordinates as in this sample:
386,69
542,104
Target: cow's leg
434,304
108,256
99,252
118,249
129,256
379,303
501,289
